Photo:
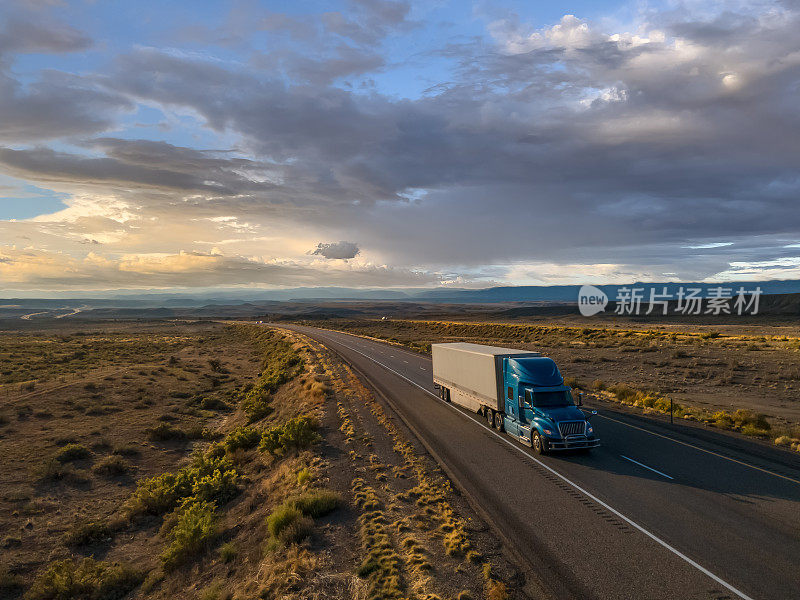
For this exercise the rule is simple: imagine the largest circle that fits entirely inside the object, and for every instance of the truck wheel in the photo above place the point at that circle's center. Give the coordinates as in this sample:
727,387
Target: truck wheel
498,421
446,394
489,413
539,445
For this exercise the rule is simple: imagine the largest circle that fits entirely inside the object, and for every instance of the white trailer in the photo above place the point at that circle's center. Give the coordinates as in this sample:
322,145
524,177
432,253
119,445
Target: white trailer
471,375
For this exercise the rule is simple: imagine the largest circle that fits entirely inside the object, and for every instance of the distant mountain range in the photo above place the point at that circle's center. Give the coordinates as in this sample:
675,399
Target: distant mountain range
529,293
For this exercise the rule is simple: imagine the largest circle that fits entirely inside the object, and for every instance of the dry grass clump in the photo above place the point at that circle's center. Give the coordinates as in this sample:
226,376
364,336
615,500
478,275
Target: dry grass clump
91,532
227,552
789,441
381,565
364,496
289,525
495,590
72,452
292,521
164,432
112,466
316,503
347,427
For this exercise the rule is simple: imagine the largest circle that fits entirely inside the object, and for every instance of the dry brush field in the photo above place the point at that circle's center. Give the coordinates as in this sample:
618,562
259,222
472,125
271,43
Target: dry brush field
212,461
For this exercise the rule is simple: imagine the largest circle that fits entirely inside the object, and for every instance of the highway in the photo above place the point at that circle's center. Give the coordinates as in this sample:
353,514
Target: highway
653,513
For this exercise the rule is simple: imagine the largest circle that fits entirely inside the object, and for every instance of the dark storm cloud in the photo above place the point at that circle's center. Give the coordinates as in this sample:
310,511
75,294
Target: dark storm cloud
57,104
18,34
337,250
138,163
369,21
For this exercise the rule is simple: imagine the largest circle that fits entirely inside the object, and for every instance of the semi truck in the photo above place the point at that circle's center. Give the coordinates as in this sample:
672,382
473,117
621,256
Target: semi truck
519,392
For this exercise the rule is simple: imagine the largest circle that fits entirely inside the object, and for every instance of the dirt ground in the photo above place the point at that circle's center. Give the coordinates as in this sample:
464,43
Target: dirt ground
138,379
93,417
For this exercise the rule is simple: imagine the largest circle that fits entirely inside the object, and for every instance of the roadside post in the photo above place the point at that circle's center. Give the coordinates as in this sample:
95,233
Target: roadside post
671,422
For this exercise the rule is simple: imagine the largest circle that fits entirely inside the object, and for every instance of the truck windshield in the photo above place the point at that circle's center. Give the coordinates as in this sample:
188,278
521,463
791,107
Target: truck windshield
552,399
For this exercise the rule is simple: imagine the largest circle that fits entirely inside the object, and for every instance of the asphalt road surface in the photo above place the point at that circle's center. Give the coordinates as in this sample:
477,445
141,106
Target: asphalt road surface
652,513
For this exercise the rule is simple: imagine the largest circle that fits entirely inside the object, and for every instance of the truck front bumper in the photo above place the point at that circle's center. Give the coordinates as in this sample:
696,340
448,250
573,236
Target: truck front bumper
573,443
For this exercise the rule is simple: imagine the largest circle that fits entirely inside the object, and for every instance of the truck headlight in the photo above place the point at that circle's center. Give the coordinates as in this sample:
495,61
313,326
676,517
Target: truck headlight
589,430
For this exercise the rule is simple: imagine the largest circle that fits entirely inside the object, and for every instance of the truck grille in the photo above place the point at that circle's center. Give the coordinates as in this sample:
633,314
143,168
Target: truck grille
572,428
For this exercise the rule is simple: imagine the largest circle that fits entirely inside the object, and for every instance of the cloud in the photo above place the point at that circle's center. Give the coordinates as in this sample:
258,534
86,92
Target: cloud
574,144
141,163
24,31
337,250
56,104
30,269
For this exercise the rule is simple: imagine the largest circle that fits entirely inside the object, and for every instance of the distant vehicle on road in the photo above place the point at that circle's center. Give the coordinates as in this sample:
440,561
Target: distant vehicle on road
517,391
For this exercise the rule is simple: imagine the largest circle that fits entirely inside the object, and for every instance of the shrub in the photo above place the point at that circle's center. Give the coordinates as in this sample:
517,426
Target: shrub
255,406
51,470
83,534
165,432
161,493
214,404
623,392
219,485
227,552
243,438
127,450
72,452
85,580
572,382
209,477
198,432
598,384
281,364
316,503
112,466
288,525
195,529
295,434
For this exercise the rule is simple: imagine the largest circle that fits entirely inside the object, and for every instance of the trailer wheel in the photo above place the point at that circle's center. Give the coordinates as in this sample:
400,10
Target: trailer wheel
498,421
539,445
489,414
447,394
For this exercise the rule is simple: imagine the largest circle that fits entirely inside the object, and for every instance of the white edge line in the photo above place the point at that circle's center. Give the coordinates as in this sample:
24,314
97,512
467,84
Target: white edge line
698,448
652,536
645,466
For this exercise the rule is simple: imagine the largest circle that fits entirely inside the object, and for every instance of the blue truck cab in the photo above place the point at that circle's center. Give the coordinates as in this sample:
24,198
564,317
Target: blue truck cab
539,409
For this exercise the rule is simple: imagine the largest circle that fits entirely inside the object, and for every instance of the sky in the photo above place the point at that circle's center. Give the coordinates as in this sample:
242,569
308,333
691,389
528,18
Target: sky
396,143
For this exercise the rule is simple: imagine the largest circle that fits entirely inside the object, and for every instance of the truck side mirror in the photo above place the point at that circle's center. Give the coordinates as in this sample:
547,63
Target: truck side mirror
580,398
